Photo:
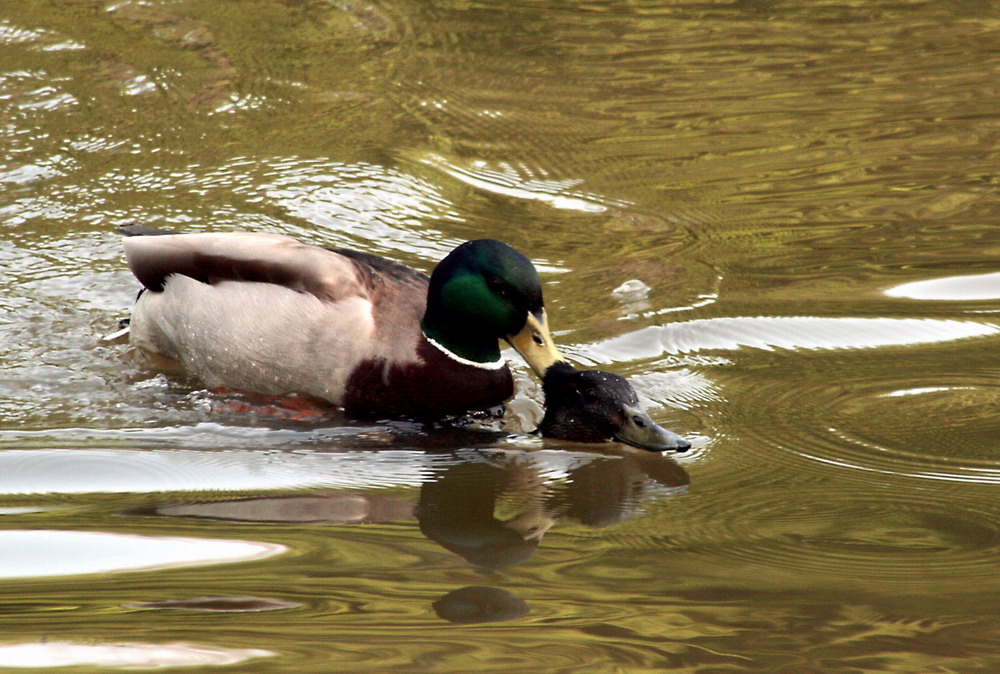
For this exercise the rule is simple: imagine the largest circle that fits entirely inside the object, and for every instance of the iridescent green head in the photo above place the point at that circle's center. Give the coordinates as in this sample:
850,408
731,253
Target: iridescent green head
484,291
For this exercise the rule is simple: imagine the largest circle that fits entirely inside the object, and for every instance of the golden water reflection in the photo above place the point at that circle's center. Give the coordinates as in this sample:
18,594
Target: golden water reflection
796,201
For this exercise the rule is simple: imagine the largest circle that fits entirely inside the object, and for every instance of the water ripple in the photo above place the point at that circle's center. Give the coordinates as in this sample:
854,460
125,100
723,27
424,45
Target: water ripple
522,182
910,423
933,433
900,538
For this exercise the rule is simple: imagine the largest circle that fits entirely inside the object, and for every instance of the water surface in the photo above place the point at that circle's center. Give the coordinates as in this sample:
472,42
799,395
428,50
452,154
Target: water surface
777,219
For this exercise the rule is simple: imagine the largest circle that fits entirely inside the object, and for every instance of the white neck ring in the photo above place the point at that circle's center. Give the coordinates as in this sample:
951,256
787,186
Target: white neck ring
493,365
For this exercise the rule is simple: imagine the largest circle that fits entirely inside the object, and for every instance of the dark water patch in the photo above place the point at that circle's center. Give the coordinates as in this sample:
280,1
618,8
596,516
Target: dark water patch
217,605
337,508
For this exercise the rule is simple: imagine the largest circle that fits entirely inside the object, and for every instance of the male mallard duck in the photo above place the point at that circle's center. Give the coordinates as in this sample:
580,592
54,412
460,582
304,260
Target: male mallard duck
268,314
595,406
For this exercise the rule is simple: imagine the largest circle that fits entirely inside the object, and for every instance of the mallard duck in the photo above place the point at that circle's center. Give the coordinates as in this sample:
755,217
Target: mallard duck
595,406
268,314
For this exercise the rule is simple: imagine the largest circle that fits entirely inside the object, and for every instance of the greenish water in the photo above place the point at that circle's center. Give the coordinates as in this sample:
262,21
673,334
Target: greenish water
806,192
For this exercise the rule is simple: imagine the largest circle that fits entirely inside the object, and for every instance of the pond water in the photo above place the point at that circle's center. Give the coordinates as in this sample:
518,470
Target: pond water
777,219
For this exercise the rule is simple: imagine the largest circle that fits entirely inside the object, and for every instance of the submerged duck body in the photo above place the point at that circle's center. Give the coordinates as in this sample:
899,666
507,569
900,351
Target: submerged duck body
268,314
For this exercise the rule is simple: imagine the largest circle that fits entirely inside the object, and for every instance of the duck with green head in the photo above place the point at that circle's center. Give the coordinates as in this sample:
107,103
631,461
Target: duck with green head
268,314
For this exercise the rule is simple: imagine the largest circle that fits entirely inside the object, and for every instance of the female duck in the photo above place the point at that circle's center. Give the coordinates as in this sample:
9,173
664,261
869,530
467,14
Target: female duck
268,314
595,406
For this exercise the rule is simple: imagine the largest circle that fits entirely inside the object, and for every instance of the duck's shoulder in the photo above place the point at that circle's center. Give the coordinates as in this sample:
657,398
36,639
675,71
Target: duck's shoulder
374,265
381,275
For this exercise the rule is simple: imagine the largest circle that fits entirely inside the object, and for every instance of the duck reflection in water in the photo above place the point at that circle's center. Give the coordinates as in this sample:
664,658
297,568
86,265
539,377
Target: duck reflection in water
494,508
464,512
491,507
480,604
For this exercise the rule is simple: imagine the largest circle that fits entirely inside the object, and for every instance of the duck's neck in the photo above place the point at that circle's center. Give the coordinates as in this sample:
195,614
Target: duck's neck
462,345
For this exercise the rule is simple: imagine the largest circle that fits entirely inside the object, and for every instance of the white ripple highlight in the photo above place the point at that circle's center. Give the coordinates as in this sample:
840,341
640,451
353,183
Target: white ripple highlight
973,287
81,471
784,332
55,653
40,553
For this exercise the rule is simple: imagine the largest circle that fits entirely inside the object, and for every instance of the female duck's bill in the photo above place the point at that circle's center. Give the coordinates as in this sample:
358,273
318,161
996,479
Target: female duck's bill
267,314
595,406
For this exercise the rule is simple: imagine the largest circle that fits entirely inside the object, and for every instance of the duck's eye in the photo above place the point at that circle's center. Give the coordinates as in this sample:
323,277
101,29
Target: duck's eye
497,287
638,422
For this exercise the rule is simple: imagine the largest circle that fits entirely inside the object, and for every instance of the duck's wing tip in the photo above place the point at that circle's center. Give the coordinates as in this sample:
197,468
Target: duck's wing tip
133,229
116,335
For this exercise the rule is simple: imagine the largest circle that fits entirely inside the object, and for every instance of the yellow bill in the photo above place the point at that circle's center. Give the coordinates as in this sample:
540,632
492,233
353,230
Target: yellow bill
535,343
